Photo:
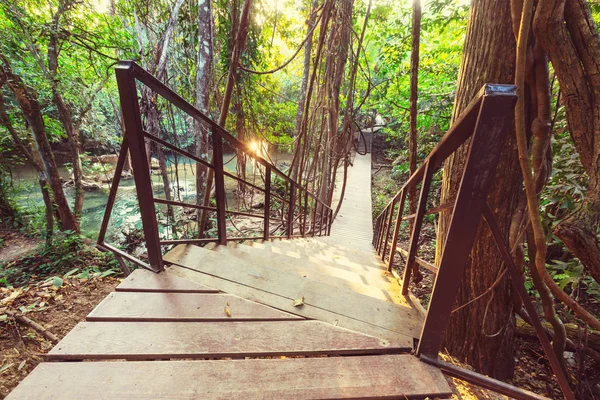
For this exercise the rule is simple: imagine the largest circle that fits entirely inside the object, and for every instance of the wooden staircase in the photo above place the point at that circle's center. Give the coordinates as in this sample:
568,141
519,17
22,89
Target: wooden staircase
221,323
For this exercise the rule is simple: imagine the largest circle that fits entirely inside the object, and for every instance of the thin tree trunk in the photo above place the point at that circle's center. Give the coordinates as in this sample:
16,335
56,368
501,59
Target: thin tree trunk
204,61
34,160
238,46
27,100
306,70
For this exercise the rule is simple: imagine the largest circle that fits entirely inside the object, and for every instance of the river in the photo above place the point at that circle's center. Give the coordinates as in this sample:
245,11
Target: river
125,213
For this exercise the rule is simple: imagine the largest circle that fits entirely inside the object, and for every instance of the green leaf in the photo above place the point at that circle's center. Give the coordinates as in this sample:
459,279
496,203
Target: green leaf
107,273
71,272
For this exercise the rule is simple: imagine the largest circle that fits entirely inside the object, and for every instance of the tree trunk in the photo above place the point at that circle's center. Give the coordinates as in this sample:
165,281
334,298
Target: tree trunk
568,33
34,160
306,74
64,113
204,63
338,45
31,109
238,47
414,95
482,333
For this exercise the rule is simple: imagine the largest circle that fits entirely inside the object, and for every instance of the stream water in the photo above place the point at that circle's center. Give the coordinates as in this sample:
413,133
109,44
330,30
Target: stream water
125,213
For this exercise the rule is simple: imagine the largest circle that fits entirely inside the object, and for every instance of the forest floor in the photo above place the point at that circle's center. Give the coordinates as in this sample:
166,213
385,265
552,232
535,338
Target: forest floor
14,245
56,308
532,369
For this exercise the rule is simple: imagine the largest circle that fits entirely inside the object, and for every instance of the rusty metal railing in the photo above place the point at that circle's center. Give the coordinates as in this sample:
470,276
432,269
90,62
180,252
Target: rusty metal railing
485,123
306,214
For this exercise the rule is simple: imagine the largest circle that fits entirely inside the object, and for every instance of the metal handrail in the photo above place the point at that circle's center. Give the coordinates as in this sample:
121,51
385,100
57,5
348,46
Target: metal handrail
296,196
482,127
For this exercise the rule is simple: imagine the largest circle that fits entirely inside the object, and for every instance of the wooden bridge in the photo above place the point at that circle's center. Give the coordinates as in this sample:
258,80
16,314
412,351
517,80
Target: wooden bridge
311,312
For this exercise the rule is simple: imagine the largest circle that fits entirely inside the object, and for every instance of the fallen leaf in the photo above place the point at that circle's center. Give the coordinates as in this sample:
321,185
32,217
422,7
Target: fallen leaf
227,312
11,297
4,368
20,367
298,302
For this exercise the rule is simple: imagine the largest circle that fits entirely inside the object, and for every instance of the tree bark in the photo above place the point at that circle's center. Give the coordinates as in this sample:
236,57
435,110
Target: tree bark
27,100
482,333
574,50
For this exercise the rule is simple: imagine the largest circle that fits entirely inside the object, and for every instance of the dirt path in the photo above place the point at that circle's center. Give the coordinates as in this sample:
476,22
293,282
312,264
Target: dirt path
15,245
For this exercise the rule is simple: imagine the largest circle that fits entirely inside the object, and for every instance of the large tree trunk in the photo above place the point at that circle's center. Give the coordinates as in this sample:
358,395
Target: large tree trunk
574,50
482,333
31,109
204,63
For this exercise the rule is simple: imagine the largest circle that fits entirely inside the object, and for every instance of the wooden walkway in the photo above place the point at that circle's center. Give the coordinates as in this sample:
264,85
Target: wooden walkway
223,323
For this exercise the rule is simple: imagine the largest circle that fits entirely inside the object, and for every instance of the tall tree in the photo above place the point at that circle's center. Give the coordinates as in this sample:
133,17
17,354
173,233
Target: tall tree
239,36
482,333
204,62
312,18
568,33
414,95
26,97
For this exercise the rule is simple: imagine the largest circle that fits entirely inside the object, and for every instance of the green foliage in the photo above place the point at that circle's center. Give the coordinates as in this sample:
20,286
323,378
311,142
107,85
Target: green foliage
66,253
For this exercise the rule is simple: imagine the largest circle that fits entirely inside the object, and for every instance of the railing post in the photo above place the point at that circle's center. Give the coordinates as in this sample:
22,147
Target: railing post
321,216
382,229
314,217
495,118
267,232
132,121
376,232
219,185
396,229
290,222
418,221
305,213
387,230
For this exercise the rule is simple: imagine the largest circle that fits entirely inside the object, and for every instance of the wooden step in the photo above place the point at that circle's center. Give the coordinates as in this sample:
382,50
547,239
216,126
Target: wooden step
141,280
136,306
373,283
286,304
163,340
399,318
361,377
324,250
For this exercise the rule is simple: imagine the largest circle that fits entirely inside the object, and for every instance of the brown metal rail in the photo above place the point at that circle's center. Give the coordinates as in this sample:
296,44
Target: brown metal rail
296,197
483,125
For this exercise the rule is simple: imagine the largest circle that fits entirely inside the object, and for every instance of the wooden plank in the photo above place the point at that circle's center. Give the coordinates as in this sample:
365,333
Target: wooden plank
399,318
284,303
370,283
365,377
141,280
150,340
339,256
132,306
